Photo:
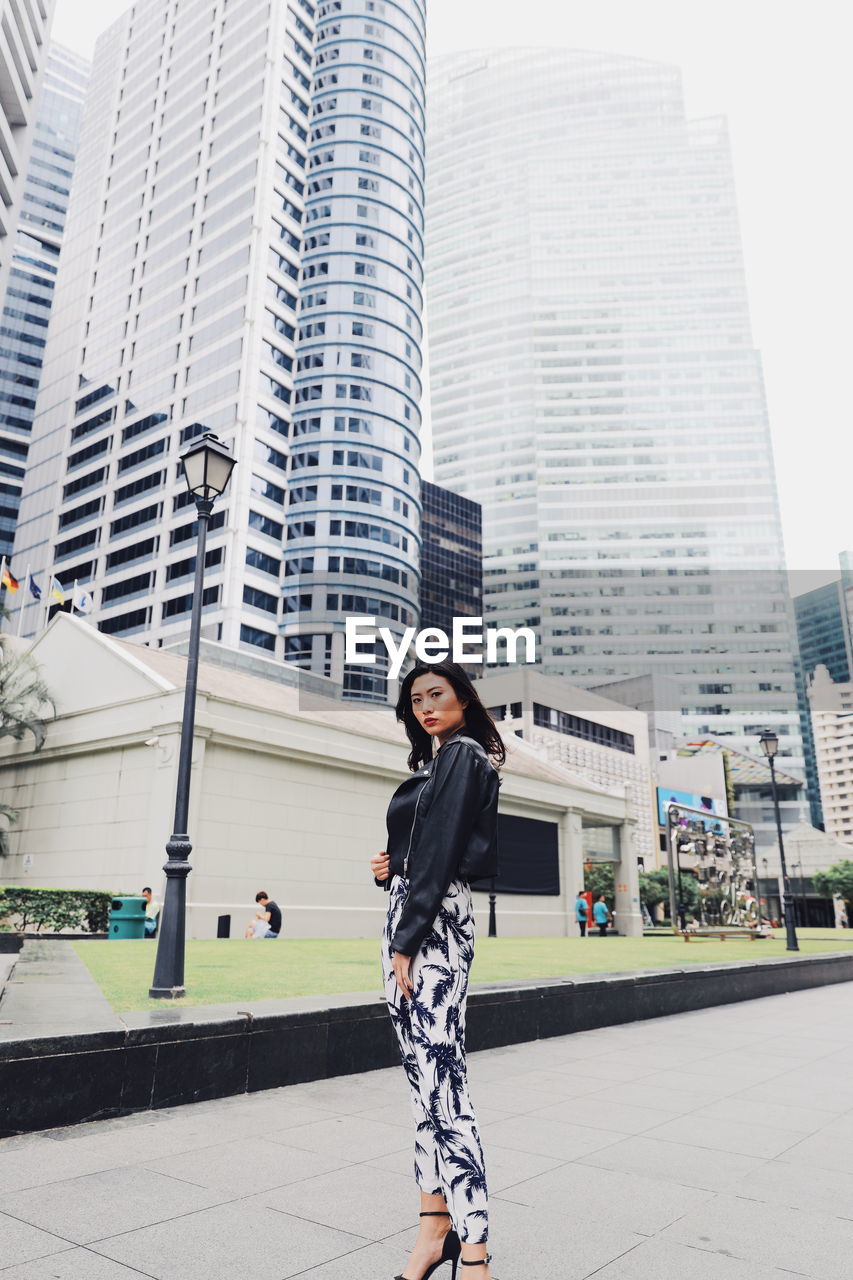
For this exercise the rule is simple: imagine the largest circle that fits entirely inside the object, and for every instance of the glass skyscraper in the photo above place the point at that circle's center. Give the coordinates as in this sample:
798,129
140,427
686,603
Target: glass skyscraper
24,31
33,269
594,382
451,558
201,181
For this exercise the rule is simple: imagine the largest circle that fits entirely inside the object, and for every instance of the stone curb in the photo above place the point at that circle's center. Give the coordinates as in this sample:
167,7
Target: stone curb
165,1059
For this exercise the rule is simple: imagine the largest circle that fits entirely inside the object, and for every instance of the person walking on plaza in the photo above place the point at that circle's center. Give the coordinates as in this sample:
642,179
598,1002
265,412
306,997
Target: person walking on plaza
601,915
442,835
581,912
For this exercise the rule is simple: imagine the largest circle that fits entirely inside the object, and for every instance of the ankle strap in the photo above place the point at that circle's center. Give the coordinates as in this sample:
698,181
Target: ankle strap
436,1213
481,1262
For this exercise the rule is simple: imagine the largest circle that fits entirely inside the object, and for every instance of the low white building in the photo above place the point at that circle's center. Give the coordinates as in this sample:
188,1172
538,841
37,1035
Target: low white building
289,793
595,738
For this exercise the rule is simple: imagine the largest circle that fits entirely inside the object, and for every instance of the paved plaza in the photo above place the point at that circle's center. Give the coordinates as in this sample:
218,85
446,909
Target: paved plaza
714,1145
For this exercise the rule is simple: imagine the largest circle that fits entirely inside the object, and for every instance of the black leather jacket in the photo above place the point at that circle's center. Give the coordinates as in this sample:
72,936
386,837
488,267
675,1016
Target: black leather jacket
442,826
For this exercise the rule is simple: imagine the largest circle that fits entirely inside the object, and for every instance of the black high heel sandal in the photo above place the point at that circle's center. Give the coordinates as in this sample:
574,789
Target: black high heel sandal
481,1262
450,1252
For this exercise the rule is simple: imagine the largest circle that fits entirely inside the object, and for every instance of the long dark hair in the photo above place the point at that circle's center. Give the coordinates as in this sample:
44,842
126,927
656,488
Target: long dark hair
478,723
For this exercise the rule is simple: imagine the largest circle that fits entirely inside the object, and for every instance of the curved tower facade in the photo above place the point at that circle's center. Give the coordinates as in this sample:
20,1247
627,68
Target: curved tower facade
353,512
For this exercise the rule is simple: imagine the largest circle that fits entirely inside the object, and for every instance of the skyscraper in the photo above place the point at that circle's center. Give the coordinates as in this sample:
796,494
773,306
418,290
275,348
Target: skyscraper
451,558
353,513
33,268
24,30
177,309
594,382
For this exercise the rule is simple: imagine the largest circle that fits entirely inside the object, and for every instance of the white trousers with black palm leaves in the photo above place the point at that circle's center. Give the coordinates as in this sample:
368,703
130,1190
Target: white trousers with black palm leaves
430,1027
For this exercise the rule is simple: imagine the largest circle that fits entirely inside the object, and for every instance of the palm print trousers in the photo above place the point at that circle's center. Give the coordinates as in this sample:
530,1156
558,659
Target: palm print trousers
430,1028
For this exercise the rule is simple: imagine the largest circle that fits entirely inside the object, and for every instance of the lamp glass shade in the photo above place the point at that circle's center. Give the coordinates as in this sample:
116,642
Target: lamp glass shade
769,742
207,467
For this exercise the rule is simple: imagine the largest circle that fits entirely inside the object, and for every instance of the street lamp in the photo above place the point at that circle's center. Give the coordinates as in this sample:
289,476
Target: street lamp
770,745
207,470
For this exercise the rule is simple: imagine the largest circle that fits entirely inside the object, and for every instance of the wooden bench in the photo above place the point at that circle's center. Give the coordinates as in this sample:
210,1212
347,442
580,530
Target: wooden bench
722,933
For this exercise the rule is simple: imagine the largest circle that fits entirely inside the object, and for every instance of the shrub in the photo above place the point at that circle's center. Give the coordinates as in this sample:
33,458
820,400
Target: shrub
55,909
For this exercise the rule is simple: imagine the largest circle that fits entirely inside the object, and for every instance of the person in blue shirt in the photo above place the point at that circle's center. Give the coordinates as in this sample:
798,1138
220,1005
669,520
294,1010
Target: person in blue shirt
581,912
601,915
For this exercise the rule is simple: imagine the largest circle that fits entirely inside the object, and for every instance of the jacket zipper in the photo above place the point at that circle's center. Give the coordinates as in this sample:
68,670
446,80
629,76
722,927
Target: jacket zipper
412,832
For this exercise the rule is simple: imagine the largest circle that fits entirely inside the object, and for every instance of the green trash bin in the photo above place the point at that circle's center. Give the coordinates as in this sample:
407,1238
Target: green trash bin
127,917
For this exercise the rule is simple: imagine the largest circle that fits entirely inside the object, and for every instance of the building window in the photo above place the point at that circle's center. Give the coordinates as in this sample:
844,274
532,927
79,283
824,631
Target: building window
260,639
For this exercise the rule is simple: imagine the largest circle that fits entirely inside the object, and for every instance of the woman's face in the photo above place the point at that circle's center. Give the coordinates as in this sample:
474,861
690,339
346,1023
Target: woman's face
436,706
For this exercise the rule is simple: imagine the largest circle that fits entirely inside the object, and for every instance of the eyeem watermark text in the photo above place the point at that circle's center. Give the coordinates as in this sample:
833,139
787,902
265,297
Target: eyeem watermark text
433,645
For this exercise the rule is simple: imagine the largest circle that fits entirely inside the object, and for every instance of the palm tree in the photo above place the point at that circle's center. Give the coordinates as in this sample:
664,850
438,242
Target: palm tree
25,706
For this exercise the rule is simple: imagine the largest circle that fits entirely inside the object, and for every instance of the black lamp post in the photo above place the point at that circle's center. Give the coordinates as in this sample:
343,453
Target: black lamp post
770,745
207,470
493,923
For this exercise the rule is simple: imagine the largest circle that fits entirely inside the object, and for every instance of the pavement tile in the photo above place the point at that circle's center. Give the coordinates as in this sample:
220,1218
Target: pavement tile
43,1162
85,1209
636,1093
350,1137
773,1114
20,1242
232,1240
361,1200
800,1186
824,1150
552,1084
596,1113
811,1244
73,1264
246,1167
676,1162
738,1136
586,1195
541,1137
656,1259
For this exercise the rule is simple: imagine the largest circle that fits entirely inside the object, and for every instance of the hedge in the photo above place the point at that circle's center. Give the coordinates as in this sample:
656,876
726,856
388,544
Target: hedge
54,909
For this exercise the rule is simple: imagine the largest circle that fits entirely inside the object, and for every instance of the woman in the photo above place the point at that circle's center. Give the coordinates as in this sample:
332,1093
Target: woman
442,825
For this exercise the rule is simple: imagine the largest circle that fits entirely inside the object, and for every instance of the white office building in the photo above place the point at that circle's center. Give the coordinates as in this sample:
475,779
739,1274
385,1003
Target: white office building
176,311
832,728
594,382
24,31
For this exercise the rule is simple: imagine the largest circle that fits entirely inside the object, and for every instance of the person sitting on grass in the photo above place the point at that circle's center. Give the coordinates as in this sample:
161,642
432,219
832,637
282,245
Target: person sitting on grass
267,922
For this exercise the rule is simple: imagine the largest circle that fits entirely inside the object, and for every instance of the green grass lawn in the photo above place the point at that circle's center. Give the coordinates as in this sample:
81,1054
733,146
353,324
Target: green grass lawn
221,972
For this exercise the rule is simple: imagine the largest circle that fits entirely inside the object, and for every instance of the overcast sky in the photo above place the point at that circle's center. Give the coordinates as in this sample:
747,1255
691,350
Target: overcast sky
780,74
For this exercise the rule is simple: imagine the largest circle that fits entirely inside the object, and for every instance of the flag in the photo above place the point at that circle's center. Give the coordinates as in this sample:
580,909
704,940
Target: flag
82,601
9,582
56,591
35,589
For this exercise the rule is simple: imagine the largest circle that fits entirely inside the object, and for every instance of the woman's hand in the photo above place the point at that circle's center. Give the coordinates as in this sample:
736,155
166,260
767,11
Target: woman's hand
402,966
380,865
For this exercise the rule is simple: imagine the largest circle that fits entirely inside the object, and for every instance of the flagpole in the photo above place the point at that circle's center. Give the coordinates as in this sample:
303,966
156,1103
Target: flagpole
23,599
47,600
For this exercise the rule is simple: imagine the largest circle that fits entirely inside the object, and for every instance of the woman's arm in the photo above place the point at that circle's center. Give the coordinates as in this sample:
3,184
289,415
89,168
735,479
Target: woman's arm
453,811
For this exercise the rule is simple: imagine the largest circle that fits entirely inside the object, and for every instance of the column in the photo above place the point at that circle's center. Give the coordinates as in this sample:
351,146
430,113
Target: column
629,919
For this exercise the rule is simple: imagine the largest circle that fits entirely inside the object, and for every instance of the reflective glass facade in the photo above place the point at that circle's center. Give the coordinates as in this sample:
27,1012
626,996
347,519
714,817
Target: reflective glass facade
32,274
594,382
451,558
